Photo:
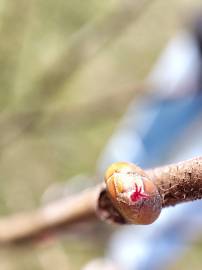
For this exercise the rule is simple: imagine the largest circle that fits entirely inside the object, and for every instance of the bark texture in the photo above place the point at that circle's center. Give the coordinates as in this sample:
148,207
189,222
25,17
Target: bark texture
176,183
179,182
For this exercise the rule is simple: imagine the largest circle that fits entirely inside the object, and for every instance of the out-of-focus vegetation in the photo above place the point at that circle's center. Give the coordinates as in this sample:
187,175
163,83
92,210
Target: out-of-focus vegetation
68,69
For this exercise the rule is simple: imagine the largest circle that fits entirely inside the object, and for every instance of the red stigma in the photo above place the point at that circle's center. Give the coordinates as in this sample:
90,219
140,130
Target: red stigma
137,194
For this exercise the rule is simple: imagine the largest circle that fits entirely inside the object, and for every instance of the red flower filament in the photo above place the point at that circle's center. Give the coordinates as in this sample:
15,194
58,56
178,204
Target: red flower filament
137,194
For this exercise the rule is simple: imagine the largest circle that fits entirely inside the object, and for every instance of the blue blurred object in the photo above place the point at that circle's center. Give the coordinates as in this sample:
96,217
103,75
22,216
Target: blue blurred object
161,128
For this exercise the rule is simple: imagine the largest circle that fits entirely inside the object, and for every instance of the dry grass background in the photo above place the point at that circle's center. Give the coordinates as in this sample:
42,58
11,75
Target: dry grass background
67,72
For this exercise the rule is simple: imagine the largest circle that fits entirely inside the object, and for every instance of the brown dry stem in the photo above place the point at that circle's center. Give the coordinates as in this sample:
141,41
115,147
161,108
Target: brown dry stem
179,182
176,183
40,223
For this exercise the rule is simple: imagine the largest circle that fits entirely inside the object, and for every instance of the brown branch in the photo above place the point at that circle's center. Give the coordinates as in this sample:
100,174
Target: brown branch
176,183
179,182
23,227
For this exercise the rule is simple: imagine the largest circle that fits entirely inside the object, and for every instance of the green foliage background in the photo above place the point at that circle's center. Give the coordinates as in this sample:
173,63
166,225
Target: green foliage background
68,69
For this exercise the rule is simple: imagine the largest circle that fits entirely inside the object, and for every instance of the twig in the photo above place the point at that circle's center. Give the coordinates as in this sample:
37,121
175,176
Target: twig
179,182
23,227
176,183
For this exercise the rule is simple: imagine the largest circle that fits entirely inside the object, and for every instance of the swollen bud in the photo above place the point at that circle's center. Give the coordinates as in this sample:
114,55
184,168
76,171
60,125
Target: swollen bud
132,193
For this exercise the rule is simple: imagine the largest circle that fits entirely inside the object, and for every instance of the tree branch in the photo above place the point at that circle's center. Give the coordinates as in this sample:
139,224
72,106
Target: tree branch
23,227
179,182
176,183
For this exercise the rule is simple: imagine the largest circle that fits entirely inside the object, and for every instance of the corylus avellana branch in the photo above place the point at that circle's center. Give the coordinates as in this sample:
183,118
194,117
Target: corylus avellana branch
130,195
138,195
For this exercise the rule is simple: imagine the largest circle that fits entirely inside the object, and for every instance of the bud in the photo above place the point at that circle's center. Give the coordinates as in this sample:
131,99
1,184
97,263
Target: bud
132,193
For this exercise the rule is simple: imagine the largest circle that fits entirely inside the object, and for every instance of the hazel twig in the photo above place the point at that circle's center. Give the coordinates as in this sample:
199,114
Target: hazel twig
130,195
138,196
179,182
39,224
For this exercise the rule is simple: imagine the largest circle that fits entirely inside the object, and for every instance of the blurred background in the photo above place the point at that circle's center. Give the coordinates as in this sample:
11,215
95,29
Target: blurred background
68,70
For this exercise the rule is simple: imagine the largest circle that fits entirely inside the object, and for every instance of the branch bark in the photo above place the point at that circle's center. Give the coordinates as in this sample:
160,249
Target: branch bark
179,182
36,225
176,183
